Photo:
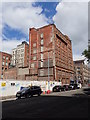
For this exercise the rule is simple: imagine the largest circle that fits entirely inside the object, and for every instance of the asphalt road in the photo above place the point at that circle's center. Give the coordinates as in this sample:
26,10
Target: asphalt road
47,106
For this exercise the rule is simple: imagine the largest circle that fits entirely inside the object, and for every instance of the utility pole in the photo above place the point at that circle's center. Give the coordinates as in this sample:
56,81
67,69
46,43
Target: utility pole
48,70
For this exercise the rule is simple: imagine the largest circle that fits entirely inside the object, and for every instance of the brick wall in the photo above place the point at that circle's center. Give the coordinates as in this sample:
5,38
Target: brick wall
60,54
0,64
10,74
5,61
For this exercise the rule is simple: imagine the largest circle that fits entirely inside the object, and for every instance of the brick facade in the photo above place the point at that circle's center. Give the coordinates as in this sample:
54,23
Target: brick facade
49,48
81,71
5,61
11,73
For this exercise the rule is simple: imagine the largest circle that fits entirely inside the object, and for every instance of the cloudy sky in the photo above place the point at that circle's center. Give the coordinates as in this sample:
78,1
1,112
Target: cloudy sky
70,18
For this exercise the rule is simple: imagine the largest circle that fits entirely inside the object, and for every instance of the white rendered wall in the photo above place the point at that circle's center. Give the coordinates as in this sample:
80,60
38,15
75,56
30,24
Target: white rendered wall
8,89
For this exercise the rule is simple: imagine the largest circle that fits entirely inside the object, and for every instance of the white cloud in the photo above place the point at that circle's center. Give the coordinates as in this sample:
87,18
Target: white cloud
72,19
76,0
0,19
31,0
8,45
22,16
0,44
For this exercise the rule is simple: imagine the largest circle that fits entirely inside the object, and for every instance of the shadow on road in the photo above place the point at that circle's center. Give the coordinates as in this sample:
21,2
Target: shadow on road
86,91
44,107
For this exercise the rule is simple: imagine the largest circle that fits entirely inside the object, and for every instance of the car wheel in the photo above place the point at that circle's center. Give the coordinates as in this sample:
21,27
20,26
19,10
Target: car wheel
27,96
31,95
38,94
64,90
19,97
60,90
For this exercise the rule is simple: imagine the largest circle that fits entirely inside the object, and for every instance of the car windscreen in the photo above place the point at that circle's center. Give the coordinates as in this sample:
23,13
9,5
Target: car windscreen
71,84
57,86
24,89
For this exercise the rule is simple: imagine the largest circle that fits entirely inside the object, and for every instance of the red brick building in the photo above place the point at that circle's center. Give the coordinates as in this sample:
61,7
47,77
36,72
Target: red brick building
50,55
81,71
5,61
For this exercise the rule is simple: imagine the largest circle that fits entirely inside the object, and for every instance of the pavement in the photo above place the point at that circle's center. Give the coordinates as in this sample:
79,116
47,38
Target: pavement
5,98
69,104
63,93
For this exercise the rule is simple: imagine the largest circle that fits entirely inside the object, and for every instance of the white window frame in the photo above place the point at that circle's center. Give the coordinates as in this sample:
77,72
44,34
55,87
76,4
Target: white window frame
41,56
42,41
6,64
34,51
41,48
41,35
34,44
3,63
3,57
41,63
32,65
34,57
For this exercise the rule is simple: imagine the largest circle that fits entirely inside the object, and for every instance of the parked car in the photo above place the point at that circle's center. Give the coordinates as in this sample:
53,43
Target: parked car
75,86
79,85
29,91
58,88
66,87
71,86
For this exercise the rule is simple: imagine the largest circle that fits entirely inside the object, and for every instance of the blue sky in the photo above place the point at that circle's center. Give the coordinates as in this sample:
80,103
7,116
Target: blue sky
48,9
18,17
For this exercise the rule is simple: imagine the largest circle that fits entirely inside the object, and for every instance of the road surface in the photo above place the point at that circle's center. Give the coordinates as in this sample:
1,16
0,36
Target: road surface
69,104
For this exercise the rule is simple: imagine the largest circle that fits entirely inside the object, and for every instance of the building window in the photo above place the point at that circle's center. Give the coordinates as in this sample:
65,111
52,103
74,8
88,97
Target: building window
6,58
34,51
41,35
34,58
41,49
3,57
32,65
5,68
22,55
27,51
22,50
42,42
2,68
41,56
6,64
41,72
78,68
34,44
2,63
41,63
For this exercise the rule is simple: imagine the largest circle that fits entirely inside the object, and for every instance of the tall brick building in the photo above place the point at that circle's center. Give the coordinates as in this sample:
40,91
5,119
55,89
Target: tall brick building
50,55
5,62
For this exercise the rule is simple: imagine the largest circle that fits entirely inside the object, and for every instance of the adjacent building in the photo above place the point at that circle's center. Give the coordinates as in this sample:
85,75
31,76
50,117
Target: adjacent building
81,71
20,55
19,63
50,55
5,62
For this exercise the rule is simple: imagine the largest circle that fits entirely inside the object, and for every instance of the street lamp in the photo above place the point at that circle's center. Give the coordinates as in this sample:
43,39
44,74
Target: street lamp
48,70
48,63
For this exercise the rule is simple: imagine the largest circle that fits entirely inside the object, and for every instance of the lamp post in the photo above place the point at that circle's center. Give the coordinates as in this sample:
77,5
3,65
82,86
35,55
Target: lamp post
48,70
48,46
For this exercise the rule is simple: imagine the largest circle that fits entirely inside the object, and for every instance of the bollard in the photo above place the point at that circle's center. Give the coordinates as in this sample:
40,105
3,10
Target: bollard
43,92
48,92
